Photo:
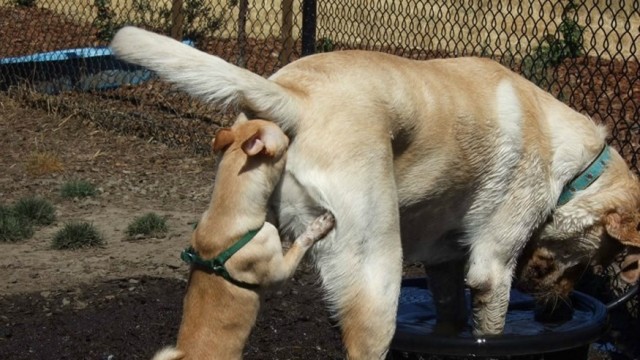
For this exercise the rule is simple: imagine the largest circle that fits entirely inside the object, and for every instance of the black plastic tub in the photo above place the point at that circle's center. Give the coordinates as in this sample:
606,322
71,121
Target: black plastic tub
523,335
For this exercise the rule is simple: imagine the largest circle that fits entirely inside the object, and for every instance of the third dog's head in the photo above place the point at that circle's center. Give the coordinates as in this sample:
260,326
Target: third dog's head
600,223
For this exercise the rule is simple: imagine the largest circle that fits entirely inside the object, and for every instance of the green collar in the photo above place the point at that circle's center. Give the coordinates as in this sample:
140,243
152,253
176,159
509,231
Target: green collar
216,265
586,177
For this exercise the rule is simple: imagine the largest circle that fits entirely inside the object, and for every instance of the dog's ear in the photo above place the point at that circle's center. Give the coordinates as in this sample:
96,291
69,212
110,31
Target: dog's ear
623,228
224,138
630,269
267,139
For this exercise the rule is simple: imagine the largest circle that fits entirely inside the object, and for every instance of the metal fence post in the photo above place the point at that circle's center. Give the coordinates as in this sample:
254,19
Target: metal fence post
177,19
286,32
243,9
308,27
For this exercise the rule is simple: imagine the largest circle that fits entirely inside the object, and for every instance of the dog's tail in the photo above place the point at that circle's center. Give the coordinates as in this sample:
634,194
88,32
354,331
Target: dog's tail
207,76
168,353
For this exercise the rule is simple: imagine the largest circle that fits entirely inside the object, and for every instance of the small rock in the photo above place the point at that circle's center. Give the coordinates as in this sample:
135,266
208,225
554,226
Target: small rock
79,305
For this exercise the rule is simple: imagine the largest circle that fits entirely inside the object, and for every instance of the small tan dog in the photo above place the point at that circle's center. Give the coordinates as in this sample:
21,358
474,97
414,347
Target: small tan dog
221,308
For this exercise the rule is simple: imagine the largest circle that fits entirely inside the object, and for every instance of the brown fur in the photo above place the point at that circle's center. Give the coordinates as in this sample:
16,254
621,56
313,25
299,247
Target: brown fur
218,315
561,252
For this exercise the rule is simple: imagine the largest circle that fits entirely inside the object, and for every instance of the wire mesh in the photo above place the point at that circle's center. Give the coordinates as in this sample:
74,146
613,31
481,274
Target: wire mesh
59,47
584,52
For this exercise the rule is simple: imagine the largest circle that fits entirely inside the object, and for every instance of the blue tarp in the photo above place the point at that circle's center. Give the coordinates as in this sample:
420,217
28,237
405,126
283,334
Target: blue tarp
92,68
59,55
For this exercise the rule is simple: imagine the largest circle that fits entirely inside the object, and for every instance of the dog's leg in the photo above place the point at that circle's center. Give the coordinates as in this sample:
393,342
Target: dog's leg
318,229
363,293
492,262
361,267
446,282
490,283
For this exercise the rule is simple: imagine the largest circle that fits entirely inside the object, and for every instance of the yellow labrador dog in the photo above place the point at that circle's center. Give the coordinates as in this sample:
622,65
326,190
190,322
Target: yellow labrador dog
460,158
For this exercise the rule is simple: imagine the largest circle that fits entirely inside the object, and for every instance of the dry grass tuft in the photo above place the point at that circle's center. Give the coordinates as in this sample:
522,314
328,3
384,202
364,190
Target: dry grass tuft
43,163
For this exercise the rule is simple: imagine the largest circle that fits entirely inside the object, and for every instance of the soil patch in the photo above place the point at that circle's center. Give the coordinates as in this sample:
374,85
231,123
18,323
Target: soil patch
122,300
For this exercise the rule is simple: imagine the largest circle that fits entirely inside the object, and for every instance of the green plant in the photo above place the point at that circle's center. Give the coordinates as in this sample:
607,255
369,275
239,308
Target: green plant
12,226
77,235
156,16
105,20
566,42
325,44
149,224
25,3
200,20
37,210
77,188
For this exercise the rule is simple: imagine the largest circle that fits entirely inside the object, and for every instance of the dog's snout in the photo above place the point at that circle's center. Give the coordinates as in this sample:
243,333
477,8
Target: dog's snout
543,256
536,271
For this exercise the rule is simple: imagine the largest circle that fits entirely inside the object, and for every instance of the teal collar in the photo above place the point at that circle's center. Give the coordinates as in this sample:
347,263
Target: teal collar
216,265
586,177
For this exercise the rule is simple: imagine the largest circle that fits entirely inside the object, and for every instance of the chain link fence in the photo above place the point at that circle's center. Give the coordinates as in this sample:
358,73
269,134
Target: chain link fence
584,52
59,47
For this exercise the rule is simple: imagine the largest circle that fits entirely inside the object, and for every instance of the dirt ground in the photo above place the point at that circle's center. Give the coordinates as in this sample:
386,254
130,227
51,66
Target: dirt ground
122,300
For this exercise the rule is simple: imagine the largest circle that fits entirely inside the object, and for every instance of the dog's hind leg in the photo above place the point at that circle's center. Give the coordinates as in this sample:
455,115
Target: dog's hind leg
363,293
361,267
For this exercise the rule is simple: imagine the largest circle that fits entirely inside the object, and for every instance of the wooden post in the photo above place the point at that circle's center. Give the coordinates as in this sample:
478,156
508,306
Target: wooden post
177,19
286,32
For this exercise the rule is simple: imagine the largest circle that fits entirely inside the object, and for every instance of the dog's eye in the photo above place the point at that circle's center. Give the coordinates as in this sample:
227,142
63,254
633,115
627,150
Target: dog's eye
638,227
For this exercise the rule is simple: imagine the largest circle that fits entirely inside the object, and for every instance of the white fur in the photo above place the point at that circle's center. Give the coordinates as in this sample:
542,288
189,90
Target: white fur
509,114
234,86
168,353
